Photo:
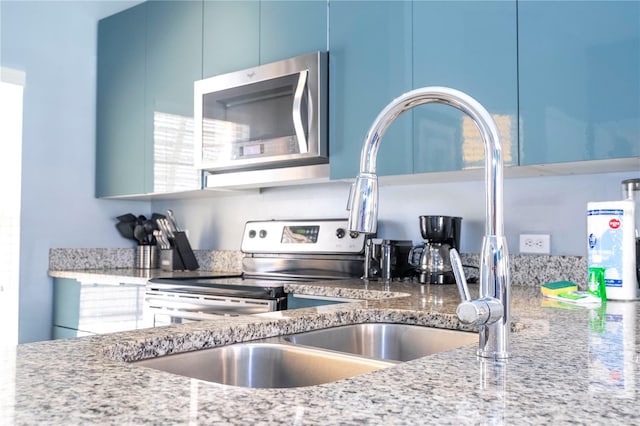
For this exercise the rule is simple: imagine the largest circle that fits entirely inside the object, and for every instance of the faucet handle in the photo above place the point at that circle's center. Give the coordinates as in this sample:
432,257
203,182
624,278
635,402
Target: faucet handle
458,273
479,311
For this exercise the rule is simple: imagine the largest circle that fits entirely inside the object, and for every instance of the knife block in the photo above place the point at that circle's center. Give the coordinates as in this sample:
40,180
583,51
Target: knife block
180,257
181,244
170,260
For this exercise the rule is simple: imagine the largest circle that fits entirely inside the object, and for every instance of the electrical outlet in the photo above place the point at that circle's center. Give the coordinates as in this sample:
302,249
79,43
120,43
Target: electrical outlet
535,243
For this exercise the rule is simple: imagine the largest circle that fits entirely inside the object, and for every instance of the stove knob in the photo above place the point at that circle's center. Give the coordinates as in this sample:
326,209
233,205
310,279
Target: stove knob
354,234
263,233
340,233
252,233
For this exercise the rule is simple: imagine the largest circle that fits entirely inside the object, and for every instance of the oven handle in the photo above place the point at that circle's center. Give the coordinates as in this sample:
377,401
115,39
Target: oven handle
180,315
297,111
193,303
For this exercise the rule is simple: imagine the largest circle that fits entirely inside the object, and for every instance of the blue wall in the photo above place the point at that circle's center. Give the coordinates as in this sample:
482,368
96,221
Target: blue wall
54,43
546,205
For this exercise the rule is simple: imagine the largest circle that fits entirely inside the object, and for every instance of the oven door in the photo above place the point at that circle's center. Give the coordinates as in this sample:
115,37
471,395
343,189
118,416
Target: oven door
176,301
164,308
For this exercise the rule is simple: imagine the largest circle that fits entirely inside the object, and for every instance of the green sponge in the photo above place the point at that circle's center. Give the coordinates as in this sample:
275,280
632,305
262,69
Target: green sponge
553,289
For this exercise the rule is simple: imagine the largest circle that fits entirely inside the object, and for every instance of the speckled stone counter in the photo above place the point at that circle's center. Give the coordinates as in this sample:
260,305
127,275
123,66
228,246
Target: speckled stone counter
569,366
64,259
131,275
116,265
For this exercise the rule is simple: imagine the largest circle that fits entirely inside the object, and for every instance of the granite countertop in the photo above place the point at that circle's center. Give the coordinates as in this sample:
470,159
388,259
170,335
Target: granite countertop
568,366
115,266
132,275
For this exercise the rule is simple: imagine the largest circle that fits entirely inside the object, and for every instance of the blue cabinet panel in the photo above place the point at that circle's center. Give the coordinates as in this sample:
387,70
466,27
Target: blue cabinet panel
148,58
174,54
370,63
292,28
231,38
66,308
579,72
66,333
173,63
85,309
469,46
120,143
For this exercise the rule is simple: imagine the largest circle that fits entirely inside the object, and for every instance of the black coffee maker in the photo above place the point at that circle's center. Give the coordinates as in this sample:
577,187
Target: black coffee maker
433,264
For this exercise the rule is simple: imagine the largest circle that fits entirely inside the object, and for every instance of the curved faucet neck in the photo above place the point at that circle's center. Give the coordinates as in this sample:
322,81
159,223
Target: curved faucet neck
488,131
491,310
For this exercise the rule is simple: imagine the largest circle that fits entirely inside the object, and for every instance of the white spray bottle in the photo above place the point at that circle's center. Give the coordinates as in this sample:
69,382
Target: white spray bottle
611,235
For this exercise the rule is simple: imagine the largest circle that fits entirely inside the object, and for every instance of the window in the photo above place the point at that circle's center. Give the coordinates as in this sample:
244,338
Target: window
11,93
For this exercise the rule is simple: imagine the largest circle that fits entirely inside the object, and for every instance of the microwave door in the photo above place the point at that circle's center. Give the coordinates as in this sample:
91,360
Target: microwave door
267,121
301,132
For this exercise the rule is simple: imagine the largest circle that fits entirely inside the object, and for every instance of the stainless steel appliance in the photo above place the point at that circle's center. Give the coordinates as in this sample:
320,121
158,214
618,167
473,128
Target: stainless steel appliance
631,191
440,235
275,252
387,259
270,117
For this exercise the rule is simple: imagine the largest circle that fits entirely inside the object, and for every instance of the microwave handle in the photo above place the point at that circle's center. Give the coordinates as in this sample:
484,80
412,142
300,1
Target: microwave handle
297,112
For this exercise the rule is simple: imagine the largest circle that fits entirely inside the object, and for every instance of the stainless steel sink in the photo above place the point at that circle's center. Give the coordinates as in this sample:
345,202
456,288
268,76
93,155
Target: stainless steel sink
313,357
398,342
265,365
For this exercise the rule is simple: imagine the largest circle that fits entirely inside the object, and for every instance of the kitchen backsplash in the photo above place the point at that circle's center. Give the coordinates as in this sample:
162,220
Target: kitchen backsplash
525,269
61,259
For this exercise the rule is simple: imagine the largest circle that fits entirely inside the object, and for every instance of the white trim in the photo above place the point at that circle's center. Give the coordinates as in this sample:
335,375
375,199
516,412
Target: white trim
9,75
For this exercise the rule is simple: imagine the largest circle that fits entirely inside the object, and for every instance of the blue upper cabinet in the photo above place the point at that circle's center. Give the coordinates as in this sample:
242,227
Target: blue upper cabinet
369,65
231,38
148,58
470,46
579,71
121,154
174,54
292,28
243,34
174,62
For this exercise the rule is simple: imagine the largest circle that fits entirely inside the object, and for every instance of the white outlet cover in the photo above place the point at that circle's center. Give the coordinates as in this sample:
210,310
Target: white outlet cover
535,243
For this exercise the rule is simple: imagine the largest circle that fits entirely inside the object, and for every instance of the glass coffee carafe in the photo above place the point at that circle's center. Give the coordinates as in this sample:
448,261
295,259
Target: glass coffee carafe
440,235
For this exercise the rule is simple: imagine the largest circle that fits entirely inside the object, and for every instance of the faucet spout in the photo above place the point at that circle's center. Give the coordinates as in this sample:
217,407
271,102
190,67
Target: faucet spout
494,326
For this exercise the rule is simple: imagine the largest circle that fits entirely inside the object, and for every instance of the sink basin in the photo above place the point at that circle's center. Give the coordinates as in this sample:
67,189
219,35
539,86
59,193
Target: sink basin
311,358
398,342
265,365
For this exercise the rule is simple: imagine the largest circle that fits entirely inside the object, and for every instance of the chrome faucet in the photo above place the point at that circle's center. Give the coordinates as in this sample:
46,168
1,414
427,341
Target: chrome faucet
491,310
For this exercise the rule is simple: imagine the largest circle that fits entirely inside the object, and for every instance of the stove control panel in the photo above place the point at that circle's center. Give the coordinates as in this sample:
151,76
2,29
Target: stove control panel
301,236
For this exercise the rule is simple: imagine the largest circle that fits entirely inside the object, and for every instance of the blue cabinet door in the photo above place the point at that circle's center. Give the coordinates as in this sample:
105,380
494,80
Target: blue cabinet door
66,303
173,63
148,58
231,38
243,34
120,140
470,46
65,333
579,72
85,309
292,28
369,65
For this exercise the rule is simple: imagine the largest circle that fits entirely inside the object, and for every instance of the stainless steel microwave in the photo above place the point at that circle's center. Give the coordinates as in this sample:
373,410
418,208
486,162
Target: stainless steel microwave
270,117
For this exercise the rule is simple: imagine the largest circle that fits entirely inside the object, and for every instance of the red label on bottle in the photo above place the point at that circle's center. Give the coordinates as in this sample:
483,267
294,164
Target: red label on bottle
614,224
